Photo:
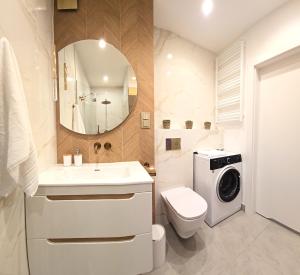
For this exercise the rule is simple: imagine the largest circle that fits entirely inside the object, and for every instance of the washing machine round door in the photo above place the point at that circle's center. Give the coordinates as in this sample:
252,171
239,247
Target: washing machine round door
228,185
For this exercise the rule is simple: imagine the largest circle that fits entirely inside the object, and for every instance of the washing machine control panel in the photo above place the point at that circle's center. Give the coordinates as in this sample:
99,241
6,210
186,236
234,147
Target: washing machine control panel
217,163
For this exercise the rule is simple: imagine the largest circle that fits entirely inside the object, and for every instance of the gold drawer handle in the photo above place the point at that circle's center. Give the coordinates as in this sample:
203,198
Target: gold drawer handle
91,240
91,197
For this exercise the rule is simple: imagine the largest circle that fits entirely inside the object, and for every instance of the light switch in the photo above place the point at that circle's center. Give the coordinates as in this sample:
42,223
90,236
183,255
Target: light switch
145,115
145,120
146,124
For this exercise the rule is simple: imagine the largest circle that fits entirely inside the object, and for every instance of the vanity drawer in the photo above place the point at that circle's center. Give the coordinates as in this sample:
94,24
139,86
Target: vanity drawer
132,256
88,216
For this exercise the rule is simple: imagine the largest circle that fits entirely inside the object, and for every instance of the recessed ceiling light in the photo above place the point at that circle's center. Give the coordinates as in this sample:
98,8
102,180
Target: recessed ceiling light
133,78
170,56
102,43
207,7
105,78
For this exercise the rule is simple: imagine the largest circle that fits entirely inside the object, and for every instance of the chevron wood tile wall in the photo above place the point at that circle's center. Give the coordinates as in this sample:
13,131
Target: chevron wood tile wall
128,25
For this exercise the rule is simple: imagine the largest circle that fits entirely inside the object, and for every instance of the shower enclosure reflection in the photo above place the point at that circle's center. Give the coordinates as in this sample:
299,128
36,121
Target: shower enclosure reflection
97,87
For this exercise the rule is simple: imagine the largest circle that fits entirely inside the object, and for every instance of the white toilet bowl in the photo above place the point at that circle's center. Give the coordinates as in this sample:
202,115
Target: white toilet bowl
186,210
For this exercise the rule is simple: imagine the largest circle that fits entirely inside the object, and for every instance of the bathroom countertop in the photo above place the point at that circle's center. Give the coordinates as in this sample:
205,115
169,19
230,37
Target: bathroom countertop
118,173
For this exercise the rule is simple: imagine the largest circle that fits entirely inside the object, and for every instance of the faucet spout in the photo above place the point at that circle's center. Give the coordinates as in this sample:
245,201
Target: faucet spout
97,147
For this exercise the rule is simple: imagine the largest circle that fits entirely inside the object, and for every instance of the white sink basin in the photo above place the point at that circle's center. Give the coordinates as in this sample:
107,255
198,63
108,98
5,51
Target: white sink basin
118,173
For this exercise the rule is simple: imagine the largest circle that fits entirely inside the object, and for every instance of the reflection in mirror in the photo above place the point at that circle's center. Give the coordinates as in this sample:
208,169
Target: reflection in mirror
97,87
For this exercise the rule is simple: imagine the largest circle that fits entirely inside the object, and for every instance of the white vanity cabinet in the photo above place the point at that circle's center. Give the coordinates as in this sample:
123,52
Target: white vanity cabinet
89,228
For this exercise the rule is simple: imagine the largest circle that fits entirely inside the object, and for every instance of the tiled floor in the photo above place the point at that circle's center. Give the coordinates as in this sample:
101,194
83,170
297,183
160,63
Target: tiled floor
240,245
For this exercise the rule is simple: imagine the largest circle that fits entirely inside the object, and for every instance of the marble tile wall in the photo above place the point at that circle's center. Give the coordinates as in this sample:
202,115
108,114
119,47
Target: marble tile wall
184,81
28,26
184,90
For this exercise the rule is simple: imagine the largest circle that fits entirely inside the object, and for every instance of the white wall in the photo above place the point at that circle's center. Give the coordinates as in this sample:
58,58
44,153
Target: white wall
67,98
126,84
114,109
275,34
184,90
28,26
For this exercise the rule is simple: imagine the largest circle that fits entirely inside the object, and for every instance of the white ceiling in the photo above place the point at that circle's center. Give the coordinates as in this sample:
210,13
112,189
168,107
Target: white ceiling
229,19
98,62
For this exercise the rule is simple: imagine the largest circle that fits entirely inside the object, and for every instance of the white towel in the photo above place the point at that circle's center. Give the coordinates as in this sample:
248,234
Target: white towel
77,123
18,159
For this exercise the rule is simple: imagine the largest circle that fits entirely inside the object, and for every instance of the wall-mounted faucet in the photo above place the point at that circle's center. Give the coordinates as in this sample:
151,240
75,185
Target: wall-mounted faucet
97,147
107,146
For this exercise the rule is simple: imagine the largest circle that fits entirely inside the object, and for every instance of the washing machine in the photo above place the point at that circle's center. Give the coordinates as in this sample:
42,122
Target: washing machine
217,178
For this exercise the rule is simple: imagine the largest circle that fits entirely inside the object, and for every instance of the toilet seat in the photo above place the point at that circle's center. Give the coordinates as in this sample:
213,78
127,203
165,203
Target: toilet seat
186,203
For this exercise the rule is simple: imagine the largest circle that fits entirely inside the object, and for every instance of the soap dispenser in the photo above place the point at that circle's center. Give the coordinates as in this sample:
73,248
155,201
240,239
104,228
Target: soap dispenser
77,158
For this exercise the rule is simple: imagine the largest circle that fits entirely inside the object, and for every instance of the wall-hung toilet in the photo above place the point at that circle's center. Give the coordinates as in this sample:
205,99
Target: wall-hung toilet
186,210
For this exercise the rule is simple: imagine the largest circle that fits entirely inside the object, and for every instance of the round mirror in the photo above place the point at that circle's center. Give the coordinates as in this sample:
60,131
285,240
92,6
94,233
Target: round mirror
97,87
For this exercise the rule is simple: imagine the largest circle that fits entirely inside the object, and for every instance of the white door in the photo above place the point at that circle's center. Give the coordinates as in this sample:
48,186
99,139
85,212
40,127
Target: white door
278,143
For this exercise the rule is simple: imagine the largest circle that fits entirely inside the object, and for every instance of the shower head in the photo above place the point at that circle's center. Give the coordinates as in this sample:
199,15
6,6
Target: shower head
106,102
